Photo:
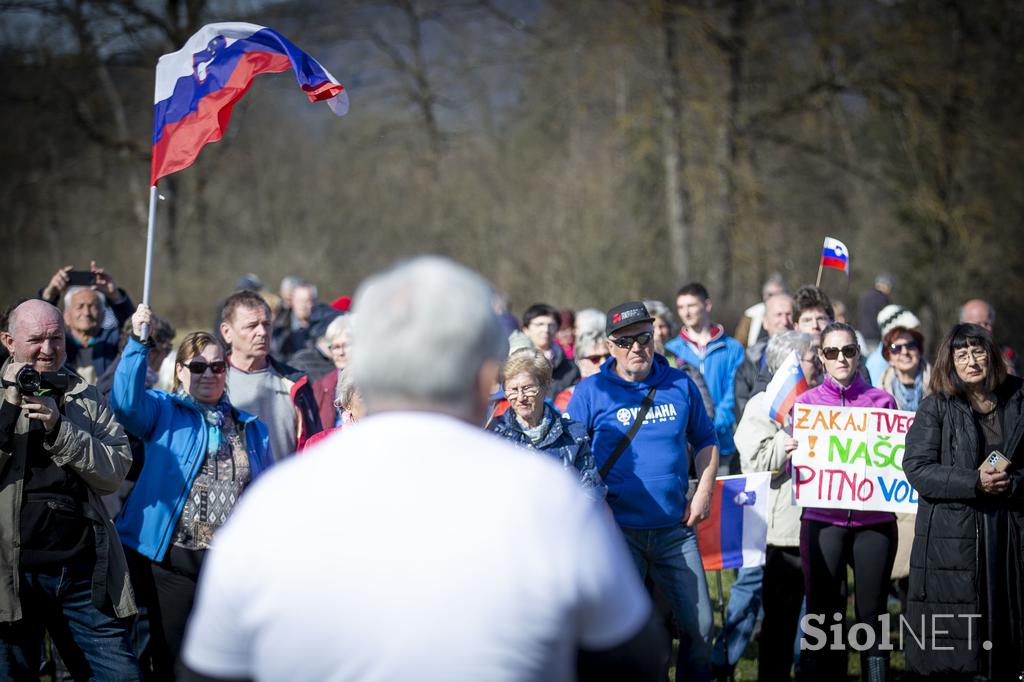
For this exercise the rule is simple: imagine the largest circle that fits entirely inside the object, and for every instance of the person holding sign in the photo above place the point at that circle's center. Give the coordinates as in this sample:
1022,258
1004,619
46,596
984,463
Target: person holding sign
964,456
831,539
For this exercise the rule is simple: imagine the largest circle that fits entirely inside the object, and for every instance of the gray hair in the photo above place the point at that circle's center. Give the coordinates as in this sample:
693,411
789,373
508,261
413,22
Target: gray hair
774,278
784,343
659,309
289,282
590,341
429,331
345,389
337,327
70,294
590,319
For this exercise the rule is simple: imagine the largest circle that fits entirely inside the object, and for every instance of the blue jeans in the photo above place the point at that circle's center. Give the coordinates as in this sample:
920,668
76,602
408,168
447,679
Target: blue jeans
740,617
92,644
672,557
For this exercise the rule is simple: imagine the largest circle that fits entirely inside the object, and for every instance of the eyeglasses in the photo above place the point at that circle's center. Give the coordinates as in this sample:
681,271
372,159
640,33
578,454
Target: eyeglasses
897,348
520,393
626,342
831,353
977,355
200,366
596,359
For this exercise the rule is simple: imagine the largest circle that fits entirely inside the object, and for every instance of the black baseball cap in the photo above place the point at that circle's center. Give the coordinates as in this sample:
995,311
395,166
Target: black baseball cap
624,315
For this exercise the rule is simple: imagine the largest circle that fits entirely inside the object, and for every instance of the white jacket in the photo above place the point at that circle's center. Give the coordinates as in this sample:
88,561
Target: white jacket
761,443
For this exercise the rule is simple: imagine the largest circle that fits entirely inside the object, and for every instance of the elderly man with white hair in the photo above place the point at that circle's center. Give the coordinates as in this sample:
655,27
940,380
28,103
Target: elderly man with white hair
415,545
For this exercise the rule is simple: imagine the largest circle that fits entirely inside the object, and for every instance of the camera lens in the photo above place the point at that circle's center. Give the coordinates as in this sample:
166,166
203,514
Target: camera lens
27,380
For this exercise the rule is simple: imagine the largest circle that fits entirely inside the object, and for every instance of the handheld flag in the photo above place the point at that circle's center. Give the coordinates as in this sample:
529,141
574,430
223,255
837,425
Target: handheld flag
735,534
787,383
835,255
197,86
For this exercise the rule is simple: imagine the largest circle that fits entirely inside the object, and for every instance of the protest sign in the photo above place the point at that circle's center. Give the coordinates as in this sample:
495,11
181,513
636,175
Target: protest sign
851,458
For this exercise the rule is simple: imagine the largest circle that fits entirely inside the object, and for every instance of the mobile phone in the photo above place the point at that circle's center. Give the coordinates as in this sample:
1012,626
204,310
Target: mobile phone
996,460
81,278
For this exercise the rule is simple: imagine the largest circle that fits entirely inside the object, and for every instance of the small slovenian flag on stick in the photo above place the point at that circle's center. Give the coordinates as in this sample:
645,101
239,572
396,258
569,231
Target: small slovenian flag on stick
787,383
835,255
735,534
197,86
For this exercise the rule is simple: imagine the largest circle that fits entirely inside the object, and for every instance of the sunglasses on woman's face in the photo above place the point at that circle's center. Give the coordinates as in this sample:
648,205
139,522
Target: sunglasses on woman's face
626,342
200,366
849,352
897,348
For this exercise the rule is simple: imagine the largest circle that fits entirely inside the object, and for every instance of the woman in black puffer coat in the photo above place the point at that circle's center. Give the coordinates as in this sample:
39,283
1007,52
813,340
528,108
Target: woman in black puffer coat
967,563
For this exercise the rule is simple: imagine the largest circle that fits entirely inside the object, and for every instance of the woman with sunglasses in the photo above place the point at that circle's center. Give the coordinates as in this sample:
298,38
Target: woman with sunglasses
907,376
968,554
201,453
534,424
831,539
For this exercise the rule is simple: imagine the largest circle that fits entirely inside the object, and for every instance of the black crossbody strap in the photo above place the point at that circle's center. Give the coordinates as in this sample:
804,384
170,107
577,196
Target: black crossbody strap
624,443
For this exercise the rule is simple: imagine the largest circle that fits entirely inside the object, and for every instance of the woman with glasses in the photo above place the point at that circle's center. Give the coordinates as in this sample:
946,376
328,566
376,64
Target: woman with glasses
201,453
907,376
325,388
535,425
832,539
963,457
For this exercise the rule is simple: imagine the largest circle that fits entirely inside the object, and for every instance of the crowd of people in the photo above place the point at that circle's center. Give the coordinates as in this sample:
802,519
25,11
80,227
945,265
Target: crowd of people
377,487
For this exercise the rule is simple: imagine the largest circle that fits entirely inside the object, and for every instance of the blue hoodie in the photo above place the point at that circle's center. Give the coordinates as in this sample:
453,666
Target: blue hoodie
647,486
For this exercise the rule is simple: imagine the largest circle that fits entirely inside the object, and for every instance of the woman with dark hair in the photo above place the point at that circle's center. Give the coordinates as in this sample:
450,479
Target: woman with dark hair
201,453
964,457
831,539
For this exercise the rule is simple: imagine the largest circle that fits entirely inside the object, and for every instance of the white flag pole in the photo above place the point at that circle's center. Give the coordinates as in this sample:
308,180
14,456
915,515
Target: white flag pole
150,238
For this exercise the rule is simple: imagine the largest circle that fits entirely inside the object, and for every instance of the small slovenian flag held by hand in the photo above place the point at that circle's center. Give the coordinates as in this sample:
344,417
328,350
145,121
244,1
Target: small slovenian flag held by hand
197,86
787,383
835,255
735,534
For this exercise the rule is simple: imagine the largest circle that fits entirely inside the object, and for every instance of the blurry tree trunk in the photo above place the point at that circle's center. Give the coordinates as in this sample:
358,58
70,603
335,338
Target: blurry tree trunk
720,265
677,198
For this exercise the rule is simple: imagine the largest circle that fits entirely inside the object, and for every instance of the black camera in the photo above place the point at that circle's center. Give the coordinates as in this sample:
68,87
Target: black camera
31,381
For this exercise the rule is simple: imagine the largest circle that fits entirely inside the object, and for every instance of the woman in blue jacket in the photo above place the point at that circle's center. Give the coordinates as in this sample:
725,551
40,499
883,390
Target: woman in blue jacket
532,423
201,453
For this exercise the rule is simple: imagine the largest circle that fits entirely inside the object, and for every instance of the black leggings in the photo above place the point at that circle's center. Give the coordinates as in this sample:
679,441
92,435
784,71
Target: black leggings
782,596
825,551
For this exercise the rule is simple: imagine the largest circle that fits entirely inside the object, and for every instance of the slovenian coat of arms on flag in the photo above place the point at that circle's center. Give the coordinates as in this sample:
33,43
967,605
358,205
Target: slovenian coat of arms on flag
834,254
197,86
787,383
735,534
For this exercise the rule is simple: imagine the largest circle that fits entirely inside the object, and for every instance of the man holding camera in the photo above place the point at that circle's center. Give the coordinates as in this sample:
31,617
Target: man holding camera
62,568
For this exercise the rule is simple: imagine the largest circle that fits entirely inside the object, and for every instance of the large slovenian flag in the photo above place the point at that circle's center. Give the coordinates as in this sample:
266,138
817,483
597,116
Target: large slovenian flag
834,254
197,86
735,534
787,383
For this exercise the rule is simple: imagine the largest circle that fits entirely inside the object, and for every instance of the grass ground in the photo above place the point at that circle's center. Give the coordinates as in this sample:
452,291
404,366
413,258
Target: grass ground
746,668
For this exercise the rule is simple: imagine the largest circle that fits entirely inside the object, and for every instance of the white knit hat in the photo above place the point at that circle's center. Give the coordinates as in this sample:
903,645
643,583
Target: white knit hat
892,316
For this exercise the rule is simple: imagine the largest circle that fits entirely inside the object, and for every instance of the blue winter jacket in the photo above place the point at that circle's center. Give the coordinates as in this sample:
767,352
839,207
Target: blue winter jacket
566,440
717,363
175,435
647,486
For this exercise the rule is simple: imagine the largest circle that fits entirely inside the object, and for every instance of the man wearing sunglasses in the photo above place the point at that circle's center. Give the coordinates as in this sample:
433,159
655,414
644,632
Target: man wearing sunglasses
648,481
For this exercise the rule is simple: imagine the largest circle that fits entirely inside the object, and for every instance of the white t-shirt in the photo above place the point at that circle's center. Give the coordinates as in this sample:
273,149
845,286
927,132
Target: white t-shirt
413,546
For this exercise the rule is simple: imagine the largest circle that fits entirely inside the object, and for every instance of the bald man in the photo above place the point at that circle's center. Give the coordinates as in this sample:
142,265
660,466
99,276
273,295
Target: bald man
62,568
980,312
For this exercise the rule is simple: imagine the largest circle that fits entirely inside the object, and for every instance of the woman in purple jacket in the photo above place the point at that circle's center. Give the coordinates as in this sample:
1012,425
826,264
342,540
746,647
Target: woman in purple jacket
831,539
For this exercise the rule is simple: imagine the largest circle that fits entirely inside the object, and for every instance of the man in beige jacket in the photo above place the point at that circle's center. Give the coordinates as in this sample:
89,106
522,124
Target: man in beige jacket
62,568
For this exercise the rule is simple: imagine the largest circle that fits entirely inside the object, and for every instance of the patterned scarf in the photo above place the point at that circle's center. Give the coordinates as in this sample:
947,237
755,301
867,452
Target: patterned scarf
213,415
908,397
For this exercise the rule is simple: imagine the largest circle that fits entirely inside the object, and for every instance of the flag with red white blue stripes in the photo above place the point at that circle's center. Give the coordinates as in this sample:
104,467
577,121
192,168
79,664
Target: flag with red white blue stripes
197,86
735,534
835,255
